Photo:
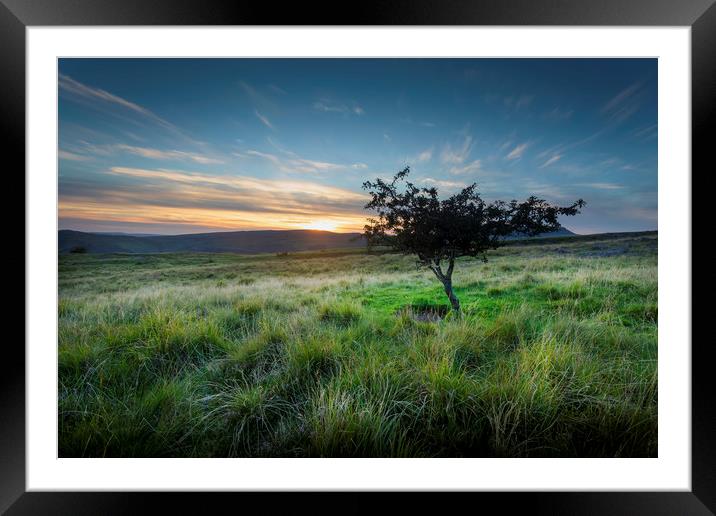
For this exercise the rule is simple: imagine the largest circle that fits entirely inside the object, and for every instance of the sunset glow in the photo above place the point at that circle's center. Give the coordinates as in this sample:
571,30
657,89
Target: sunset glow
323,225
287,143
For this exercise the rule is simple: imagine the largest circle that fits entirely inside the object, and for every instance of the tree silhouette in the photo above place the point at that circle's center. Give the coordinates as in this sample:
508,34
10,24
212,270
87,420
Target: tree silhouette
415,221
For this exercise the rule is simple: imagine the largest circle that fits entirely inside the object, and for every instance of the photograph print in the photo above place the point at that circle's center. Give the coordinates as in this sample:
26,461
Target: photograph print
375,257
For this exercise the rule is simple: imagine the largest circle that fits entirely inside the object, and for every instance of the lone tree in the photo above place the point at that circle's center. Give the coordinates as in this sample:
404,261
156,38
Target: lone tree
415,221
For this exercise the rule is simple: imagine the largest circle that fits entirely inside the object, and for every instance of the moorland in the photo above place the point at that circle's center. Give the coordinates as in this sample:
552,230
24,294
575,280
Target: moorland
345,352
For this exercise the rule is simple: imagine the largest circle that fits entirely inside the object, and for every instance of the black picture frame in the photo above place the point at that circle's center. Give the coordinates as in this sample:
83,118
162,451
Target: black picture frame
700,15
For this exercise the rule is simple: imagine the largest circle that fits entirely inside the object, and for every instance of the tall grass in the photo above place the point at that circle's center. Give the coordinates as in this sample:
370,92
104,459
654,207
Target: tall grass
223,355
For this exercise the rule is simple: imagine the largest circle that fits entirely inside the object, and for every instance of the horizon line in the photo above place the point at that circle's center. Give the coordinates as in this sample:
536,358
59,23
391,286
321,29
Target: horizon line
142,234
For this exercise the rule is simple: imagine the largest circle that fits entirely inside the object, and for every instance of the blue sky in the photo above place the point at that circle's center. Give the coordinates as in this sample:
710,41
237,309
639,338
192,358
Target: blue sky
191,145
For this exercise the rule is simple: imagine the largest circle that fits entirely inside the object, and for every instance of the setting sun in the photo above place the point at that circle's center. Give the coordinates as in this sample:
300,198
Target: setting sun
322,225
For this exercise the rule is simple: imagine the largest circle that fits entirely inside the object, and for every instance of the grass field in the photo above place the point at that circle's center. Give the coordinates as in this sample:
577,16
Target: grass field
330,354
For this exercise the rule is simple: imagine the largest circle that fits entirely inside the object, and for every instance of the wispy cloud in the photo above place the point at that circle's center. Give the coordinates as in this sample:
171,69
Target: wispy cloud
247,183
516,103
426,155
645,214
646,133
472,166
71,156
518,151
261,102
559,114
620,97
421,157
264,120
295,163
552,160
93,149
322,105
330,106
547,190
457,154
265,155
83,151
443,183
602,186
175,155
624,104
133,136
506,143
610,162
277,89
561,148
258,99
77,90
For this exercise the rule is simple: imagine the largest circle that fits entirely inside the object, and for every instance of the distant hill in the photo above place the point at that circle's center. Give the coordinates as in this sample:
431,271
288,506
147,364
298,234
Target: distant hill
120,233
561,232
241,242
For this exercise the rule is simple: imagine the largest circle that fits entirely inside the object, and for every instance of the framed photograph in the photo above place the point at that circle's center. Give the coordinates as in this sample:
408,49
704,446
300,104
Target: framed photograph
438,249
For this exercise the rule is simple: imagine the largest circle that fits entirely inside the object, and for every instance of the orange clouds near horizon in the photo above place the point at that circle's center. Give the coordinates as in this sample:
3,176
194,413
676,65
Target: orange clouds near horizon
216,202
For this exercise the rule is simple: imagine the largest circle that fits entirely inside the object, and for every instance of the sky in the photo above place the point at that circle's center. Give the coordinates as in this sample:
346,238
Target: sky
172,146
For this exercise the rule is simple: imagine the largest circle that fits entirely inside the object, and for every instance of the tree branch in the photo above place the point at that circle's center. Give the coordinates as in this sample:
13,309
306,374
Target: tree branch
437,270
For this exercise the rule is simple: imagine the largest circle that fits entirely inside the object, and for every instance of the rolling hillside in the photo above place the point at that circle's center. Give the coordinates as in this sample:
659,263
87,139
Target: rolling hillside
241,242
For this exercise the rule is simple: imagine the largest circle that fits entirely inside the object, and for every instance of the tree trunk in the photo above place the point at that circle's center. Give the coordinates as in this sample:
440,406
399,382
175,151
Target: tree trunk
454,301
446,280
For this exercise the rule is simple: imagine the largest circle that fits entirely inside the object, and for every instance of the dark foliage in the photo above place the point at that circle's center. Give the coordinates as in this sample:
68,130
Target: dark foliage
415,221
